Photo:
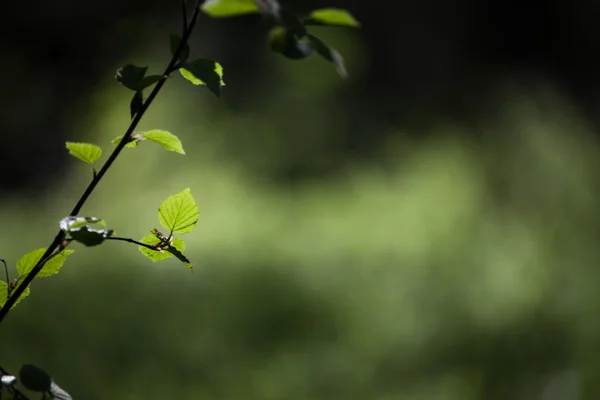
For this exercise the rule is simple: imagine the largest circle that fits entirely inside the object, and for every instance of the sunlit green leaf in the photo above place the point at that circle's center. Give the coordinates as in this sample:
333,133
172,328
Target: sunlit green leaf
86,152
29,260
204,72
174,41
165,139
131,76
156,255
4,294
333,16
229,8
329,54
179,213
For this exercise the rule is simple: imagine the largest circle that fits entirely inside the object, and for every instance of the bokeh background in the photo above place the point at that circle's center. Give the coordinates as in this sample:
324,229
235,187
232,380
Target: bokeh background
426,229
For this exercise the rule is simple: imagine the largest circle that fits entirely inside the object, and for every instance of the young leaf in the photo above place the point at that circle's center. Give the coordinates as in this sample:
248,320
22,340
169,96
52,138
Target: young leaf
90,236
329,54
136,103
204,72
175,40
332,16
156,255
286,43
136,140
179,213
86,152
28,261
130,76
229,8
4,294
165,139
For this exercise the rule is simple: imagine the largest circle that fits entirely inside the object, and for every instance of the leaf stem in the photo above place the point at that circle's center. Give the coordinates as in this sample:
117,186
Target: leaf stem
60,236
184,16
129,240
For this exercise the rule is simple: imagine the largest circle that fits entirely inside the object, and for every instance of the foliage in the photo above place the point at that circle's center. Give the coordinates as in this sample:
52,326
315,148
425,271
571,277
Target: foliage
179,213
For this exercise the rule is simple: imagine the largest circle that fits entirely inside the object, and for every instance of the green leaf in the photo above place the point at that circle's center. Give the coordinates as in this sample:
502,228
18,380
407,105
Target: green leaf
286,43
156,255
179,213
131,76
165,139
90,236
86,152
28,261
175,40
136,103
4,294
136,140
34,378
229,8
204,72
329,54
332,16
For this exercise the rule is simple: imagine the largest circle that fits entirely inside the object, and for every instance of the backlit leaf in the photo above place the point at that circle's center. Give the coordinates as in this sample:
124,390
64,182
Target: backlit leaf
333,16
179,213
204,72
229,8
4,294
86,152
156,255
29,260
165,139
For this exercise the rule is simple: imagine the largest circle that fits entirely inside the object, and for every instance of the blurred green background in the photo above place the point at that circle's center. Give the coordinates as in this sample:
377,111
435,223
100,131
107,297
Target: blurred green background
457,263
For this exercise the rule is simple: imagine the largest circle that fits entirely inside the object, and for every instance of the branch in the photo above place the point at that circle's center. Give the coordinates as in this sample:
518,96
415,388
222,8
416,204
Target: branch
58,239
184,15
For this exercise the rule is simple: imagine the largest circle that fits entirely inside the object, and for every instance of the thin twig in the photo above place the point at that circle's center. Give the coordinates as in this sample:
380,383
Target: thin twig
58,239
184,16
129,240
